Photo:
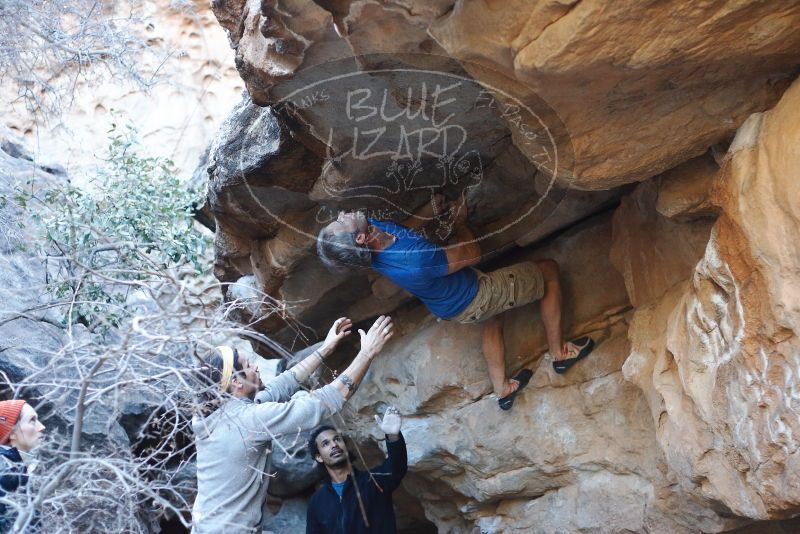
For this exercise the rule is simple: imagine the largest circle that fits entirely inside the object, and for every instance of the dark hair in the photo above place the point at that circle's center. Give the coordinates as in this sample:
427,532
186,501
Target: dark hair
209,377
314,451
312,441
340,252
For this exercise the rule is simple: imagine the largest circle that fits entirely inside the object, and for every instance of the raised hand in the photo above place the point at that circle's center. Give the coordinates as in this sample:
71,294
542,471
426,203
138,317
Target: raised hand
340,329
439,204
373,341
459,210
391,422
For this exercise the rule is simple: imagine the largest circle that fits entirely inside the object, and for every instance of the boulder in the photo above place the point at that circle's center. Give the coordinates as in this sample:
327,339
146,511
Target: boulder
273,184
289,519
257,173
680,65
651,251
31,332
717,356
604,68
684,192
650,148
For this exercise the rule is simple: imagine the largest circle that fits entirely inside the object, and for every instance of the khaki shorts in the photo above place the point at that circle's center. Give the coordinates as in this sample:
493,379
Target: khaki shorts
503,289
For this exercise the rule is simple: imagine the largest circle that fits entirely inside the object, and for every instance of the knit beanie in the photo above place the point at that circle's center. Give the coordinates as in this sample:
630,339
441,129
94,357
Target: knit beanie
9,413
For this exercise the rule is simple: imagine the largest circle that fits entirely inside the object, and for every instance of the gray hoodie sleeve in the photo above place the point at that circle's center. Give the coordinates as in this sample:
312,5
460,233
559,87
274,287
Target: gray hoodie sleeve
279,389
274,419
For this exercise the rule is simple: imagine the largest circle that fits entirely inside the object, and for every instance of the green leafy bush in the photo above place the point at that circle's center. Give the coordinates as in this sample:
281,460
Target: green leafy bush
130,229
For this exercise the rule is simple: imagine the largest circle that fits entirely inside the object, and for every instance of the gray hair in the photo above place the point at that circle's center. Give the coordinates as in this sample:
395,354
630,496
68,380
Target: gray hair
340,252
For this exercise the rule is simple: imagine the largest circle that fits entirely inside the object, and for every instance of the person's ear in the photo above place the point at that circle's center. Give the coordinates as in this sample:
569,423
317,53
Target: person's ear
318,458
361,238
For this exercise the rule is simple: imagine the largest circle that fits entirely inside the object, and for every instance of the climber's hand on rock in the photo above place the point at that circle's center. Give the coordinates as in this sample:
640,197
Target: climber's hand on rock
459,209
440,204
373,341
391,422
340,329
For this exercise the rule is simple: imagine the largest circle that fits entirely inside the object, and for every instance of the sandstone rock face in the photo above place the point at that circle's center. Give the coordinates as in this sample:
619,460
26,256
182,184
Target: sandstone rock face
680,64
278,174
684,419
603,67
331,72
193,89
684,191
707,436
270,194
546,466
717,358
651,251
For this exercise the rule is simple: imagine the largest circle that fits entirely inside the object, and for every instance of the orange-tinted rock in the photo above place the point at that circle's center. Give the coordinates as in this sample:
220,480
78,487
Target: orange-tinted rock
684,191
653,252
718,358
640,87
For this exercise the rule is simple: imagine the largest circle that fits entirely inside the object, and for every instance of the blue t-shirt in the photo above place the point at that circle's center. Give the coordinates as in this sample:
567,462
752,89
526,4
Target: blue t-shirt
338,487
420,267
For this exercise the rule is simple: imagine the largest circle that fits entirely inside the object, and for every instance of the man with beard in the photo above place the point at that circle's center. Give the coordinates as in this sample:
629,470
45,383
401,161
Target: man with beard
240,419
335,507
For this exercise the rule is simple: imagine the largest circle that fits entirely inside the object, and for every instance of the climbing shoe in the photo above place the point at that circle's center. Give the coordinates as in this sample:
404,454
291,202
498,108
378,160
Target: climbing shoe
523,377
577,349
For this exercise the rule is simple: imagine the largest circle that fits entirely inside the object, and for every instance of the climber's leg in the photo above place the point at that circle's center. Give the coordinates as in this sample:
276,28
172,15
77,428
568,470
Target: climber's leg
494,352
498,291
551,307
565,355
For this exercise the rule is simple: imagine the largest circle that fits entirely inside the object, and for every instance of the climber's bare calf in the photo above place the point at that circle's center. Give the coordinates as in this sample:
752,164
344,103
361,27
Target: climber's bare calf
504,289
493,343
551,307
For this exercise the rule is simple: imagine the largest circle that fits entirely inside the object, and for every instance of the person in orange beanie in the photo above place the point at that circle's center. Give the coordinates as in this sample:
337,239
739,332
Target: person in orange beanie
20,433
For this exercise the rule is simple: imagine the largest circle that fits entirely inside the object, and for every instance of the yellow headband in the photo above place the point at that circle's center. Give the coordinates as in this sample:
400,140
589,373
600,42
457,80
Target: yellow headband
227,367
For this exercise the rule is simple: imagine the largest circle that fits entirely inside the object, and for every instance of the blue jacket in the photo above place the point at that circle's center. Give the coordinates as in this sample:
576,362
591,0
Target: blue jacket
13,476
329,514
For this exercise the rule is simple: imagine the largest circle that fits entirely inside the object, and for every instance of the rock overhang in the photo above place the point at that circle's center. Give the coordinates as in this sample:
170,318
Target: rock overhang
643,93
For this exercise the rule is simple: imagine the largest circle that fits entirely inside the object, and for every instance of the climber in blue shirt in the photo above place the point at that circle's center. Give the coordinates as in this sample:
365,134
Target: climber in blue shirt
444,280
